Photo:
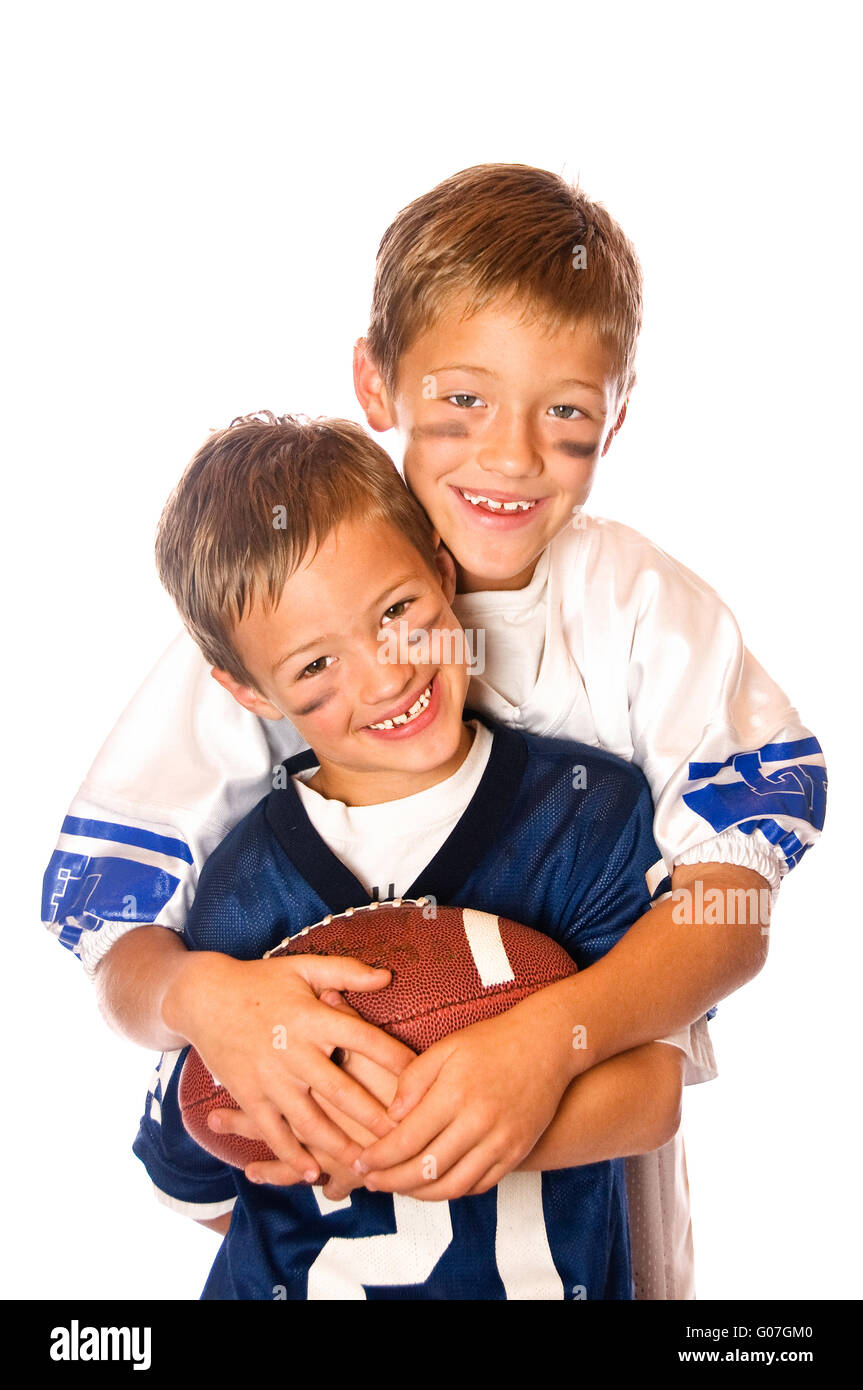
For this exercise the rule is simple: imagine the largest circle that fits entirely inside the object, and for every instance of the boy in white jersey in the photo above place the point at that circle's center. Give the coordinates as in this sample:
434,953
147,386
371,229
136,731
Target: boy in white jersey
504,324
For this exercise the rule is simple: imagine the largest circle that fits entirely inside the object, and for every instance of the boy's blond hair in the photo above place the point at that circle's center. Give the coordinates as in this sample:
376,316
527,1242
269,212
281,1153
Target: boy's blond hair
253,501
505,232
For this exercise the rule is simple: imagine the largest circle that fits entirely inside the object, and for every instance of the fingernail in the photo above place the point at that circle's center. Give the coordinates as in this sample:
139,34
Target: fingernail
310,1175
253,1177
359,1167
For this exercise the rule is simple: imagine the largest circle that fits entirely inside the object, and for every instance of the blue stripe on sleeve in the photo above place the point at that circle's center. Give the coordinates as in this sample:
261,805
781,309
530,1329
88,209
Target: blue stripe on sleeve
770,753
80,892
754,797
784,840
128,835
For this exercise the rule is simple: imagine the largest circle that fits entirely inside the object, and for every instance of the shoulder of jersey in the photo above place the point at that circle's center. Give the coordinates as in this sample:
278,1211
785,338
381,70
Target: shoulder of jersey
251,837
620,551
565,758
600,531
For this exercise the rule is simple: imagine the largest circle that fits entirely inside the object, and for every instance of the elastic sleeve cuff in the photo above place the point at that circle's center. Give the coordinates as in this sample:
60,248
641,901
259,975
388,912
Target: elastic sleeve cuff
196,1185
196,1211
697,1048
746,851
94,945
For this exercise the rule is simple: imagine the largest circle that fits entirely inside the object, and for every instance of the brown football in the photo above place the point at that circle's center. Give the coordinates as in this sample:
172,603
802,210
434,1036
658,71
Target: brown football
451,967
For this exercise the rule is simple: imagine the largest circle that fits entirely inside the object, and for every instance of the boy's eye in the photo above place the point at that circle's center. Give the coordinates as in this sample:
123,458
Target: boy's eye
464,400
315,668
398,610
564,412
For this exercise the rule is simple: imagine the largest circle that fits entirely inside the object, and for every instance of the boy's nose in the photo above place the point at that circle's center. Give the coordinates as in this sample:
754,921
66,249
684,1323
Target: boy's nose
381,680
510,450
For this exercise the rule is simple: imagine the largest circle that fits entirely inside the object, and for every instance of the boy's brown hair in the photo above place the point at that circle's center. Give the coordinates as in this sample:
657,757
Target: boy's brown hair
252,502
505,231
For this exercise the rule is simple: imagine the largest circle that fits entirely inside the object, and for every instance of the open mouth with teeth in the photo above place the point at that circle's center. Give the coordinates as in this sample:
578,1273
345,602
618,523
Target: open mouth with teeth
409,715
413,717
497,504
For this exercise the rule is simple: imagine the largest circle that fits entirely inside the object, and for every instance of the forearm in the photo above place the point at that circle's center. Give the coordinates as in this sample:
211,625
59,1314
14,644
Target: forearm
133,980
219,1224
628,1105
662,975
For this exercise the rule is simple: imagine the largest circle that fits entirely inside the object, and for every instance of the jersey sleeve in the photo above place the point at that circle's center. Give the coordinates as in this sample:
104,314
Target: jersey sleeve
618,871
735,775
185,1177
182,766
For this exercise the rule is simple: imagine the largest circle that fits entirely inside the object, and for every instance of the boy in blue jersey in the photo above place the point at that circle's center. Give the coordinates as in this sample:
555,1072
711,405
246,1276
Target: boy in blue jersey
399,788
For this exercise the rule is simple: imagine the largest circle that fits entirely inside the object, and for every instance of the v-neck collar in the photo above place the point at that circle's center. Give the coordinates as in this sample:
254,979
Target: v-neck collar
470,839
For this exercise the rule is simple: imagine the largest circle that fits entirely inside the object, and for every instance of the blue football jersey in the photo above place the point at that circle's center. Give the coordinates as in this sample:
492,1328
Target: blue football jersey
558,836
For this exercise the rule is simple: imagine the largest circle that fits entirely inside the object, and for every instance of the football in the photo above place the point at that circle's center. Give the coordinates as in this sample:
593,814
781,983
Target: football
451,967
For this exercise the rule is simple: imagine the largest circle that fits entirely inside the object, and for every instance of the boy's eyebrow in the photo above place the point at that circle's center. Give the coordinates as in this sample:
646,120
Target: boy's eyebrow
391,589
582,385
330,636
305,646
463,367
486,371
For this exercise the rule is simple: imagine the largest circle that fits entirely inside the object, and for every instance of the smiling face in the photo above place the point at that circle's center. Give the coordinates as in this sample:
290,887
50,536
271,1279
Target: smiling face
503,425
334,657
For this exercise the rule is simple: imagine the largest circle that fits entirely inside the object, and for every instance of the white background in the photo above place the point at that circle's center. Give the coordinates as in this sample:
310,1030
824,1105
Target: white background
194,196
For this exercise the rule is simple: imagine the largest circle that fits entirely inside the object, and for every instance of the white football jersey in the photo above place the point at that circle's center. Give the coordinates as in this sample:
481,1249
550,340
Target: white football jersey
642,658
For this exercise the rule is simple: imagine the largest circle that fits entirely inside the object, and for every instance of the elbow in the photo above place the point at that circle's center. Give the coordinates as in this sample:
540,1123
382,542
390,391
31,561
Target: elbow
667,1122
761,947
666,1093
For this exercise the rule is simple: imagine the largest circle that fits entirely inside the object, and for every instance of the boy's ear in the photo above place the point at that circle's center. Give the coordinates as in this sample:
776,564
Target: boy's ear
446,570
245,695
615,427
370,390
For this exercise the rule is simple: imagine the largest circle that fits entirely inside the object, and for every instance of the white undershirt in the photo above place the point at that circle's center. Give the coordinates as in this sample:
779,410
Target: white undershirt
386,846
514,623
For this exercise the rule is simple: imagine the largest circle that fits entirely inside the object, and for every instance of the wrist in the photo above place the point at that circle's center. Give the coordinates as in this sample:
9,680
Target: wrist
185,996
553,1016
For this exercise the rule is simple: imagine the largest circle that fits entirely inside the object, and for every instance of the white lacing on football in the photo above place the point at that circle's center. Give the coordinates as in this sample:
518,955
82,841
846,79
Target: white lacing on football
350,912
